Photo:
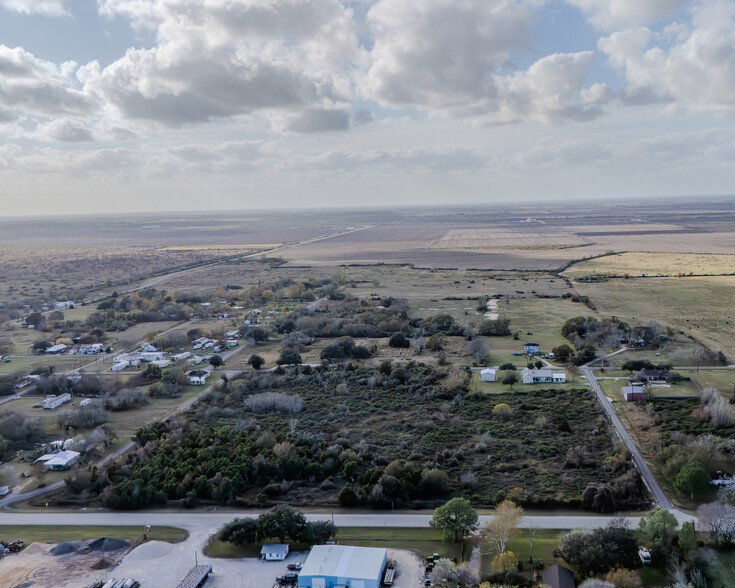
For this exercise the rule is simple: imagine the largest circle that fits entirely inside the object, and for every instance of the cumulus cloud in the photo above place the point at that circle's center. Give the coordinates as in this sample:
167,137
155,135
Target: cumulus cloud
691,67
616,14
219,58
39,87
446,56
46,7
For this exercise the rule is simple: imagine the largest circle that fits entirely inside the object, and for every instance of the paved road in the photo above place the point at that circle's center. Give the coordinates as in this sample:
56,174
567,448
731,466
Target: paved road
213,520
638,460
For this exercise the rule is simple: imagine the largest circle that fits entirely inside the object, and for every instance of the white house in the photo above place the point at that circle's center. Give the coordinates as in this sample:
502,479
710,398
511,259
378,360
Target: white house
162,363
274,552
147,347
231,343
85,402
51,402
150,355
252,322
487,375
181,356
198,377
90,349
542,376
232,335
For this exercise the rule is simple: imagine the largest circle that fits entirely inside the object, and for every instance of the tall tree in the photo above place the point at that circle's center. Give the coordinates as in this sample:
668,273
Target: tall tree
502,527
456,519
282,522
657,529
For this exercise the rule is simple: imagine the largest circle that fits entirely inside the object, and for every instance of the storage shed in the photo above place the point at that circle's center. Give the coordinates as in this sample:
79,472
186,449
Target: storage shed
634,393
274,552
487,375
329,566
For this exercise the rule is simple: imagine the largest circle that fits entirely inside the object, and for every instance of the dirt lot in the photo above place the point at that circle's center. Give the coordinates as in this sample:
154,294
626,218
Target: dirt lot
65,565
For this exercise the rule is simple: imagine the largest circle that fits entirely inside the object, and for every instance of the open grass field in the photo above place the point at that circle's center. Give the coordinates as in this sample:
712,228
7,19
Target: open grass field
723,380
699,306
28,364
654,264
58,534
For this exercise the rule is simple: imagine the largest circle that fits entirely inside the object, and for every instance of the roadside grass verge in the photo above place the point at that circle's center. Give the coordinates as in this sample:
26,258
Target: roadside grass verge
58,534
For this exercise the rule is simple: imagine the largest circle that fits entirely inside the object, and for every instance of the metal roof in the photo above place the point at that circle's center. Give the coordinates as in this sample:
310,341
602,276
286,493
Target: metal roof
345,561
275,548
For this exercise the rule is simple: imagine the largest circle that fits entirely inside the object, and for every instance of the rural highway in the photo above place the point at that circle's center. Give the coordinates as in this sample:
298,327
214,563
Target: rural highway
213,520
638,460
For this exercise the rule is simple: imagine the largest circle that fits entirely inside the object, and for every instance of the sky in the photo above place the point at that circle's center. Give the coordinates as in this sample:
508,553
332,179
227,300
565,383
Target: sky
158,105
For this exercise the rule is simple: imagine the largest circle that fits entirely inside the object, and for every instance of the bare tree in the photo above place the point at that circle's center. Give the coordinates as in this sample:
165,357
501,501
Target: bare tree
718,518
708,447
478,349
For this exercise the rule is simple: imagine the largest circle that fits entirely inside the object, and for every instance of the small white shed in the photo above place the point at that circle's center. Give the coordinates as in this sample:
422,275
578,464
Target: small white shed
487,375
274,552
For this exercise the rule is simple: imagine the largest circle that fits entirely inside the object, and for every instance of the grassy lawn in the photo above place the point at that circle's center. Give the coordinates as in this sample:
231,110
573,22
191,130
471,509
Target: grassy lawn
723,380
544,543
27,364
476,385
422,541
59,534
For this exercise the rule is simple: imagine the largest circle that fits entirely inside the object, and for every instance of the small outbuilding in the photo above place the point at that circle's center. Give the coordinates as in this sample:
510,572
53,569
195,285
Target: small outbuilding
56,349
487,375
198,377
557,576
274,552
531,349
330,566
634,393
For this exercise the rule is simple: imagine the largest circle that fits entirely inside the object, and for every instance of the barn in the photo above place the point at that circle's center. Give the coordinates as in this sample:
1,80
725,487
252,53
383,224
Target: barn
329,566
634,393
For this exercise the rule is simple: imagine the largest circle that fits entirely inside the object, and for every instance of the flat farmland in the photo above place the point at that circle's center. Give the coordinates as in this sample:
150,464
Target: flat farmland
530,237
669,242
622,228
409,244
655,264
699,306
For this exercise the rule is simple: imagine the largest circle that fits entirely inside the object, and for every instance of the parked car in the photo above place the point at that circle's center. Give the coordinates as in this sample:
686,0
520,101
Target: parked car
645,555
294,566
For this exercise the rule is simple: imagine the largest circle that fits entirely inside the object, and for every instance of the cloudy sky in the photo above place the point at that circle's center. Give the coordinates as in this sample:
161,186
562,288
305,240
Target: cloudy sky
152,105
